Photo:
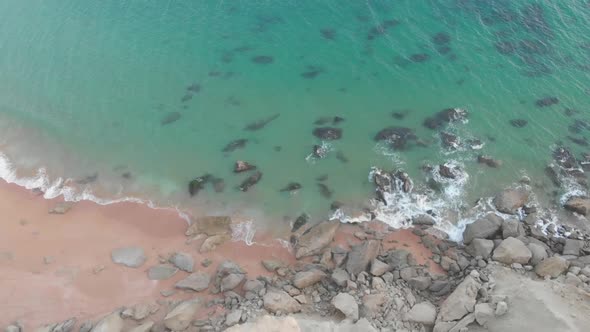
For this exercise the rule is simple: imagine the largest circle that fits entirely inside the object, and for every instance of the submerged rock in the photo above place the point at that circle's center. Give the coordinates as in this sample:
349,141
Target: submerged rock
257,125
399,137
170,118
319,151
450,141
324,190
250,181
263,59
546,102
328,133
518,123
292,186
419,57
445,116
299,222
489,161
441,38
243,166
446,171
198,184
235,144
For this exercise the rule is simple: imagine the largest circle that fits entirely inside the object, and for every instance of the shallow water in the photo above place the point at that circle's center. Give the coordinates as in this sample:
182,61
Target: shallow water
143,96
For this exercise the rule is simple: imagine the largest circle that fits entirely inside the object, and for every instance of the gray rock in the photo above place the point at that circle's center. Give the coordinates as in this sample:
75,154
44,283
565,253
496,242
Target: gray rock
407,273
183,261
480,247
423,219
579,205
378,284
397,259
65,326
86,327
145,327
510,228
340,277
572,279
12,328
482,228
573,247
552,266
586,271
305,279
501,308
461,301
512,250
212,242
510,200
129,256
197,282
272,265
233,317
346,304
420,283
315,239
461,325
110,323
140,311
362,255
279,301
180,318
231,281
161,272
253,286
483,313
378,268
422,313
538,251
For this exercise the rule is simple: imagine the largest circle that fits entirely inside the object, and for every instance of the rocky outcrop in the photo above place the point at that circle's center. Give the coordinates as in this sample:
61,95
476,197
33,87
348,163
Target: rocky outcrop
511,251
180,318
579,205
279,301
129,256
361,256
316,238
510,200
482,228
552,266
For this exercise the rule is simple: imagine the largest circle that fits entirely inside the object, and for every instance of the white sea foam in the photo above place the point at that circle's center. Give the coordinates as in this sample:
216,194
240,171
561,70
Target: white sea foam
244,231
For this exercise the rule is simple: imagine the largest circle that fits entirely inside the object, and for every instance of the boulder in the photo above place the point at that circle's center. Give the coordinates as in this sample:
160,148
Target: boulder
12,328
572,247
482,228
197,282
161,272
140,311
483,313
578,204
501,308
510,228
180,318
552,266
183,261
145,327
233,317
65,326
538,251
480,247
271,265
422,313
373,303
316,238
210,226
231,281
420,283
346,304
512,250
278,300
510,200
362,255
305,279
111,323
378,268
340,277
129,256
397,259
461,301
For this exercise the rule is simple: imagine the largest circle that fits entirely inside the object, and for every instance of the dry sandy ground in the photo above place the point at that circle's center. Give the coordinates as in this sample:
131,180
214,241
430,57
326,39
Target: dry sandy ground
81,241
539,306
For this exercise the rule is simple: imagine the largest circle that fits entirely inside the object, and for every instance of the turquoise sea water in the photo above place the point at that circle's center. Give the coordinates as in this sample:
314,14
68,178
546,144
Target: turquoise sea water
87,89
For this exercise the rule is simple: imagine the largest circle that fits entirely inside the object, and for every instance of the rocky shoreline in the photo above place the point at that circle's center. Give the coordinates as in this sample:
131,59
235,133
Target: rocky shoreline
361,279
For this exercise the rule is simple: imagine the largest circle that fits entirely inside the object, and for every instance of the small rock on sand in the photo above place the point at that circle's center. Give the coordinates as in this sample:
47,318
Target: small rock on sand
161,272
552,266
196,281
180,318
346,304
129,256
183,261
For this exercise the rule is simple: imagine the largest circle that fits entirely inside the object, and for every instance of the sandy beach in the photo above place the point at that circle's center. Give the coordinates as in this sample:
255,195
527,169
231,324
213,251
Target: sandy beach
57,266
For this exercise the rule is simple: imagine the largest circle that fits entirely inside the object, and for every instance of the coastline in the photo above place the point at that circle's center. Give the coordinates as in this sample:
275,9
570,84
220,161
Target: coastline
57,266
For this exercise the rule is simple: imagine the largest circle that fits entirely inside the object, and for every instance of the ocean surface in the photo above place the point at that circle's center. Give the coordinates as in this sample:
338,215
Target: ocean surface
118,100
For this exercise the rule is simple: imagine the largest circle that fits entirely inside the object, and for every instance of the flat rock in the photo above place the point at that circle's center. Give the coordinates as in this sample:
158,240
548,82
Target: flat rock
577,204
512,250
305,279
422,313
183,261
271,265
482,228
552,266
316,238
461,301
378,268
111,323
278,300
211,225
480,247
510,200
180,318
197,282
362,255
129,256
346,304
161,272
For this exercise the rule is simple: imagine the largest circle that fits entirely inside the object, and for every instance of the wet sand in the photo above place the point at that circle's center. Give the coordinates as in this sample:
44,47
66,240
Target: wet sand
80,242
